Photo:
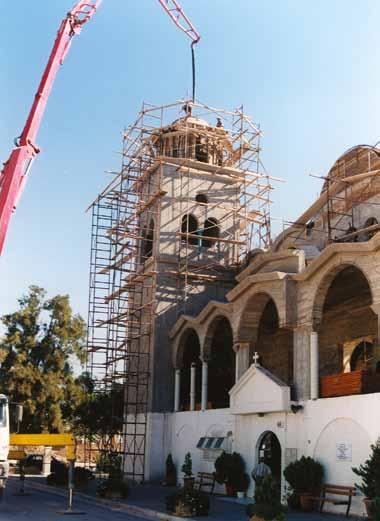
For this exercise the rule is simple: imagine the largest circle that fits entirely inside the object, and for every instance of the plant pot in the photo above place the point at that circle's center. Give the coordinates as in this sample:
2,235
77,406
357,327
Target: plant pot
171,480
230,490
367,503
240,494
307,502
294,501
182,510
188,482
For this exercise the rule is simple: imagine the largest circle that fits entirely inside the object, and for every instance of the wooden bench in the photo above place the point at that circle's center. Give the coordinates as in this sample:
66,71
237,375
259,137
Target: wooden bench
336,490
205,480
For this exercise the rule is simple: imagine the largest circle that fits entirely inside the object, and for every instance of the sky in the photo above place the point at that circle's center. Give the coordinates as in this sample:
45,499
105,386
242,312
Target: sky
308,72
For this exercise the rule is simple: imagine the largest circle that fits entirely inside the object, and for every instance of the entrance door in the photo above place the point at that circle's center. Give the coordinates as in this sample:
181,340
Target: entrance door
270,452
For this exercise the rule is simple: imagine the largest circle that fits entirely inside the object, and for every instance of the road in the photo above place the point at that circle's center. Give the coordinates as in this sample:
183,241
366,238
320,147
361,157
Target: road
43,506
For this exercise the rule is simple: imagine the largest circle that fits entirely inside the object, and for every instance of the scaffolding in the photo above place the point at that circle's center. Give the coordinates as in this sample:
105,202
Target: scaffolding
351,182
189,137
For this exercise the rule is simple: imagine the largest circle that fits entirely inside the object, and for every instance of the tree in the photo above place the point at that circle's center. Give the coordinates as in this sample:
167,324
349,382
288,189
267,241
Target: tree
42,340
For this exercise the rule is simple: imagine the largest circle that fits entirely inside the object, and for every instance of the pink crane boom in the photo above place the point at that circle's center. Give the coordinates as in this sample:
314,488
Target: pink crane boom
15,170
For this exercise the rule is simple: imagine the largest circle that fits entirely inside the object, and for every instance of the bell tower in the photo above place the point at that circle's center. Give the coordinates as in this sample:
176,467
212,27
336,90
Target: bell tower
169,233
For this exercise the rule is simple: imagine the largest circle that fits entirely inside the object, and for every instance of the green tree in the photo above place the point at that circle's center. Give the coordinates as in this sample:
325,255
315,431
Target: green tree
42,340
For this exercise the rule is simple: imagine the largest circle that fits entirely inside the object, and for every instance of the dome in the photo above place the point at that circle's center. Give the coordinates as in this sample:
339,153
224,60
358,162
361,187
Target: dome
356,160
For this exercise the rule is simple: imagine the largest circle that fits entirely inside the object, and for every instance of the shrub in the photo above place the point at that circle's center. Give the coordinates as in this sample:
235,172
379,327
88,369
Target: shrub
190,502
370,473
60,475
304,475
171,472
374,509
242,482
187,467
230,469
267,492
112,487
110,462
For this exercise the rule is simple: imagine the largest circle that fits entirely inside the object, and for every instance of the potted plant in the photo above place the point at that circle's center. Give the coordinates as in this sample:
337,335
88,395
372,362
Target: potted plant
114,486
188,503
374,509
187,469
171,472
369,471
242,483
267,504
305,477
230,470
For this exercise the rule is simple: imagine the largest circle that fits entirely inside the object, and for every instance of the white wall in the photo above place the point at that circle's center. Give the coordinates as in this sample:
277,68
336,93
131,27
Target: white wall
315,431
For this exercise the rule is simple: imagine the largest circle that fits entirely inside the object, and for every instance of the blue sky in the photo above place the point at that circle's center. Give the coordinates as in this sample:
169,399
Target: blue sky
308,72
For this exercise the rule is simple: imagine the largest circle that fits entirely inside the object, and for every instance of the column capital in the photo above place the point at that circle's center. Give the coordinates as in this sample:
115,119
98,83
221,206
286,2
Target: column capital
240,345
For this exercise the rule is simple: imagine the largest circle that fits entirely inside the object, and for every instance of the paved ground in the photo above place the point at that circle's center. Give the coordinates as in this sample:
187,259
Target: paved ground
145,502
43,506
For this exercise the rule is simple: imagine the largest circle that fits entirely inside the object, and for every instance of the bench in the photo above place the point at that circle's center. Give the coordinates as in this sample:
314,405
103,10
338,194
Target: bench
336,490
205,480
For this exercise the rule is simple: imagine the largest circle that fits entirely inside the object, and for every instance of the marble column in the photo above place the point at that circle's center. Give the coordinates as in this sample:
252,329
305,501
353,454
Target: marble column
314,366
177,387
193,373
241,359
204,385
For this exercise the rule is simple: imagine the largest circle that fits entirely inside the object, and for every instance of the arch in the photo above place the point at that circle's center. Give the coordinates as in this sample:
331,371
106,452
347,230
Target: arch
188,354
340,429
325,285
211,231
219,353
268,450
344,318
361,357
371,221
189,225
148,240
247,329
275,344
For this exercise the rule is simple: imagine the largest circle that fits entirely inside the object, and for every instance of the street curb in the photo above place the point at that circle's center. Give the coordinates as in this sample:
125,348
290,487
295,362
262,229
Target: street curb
106,503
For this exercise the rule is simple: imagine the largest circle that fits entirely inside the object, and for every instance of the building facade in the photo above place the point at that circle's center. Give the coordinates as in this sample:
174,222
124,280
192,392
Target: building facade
269,350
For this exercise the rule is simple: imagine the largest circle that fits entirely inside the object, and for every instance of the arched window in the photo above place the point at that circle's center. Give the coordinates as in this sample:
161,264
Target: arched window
201,198
201,153
361,356
189,225
370,222
211,230
148,241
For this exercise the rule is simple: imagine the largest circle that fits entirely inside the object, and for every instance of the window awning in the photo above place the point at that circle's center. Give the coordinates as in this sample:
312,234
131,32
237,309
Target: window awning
210,443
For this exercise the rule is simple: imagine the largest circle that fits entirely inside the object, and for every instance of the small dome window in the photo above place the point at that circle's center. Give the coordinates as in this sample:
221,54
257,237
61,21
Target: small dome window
201,198
371,221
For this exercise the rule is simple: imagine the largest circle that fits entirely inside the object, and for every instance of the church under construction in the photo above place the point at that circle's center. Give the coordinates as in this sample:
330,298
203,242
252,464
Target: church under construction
220,336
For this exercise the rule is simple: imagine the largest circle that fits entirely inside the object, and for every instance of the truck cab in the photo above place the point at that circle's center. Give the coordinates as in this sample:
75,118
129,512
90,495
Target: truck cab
4,440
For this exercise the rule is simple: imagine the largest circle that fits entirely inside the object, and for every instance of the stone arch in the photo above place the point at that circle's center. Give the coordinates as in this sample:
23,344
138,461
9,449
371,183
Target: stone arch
343,317
218,352
247,329
357,444
324,286
269,450
180,346
187,356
